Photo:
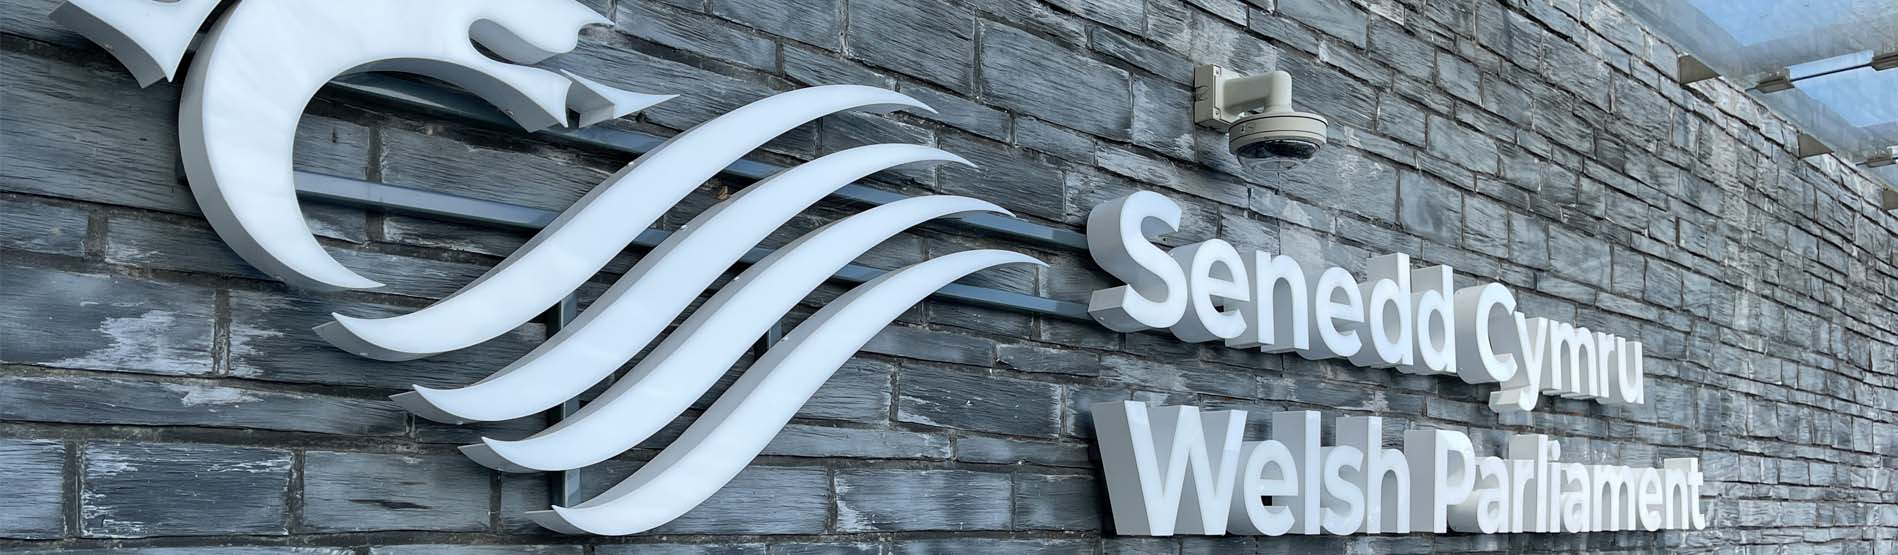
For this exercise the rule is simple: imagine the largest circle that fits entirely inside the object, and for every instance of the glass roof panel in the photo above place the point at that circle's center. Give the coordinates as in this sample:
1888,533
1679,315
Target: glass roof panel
1823,47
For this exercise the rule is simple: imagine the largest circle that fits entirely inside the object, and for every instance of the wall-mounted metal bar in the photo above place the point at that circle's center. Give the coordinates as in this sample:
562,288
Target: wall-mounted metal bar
500,214
565,491
437,99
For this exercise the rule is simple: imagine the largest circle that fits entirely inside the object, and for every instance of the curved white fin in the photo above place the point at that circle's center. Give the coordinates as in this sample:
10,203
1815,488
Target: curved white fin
664,282
693,357
590,233
743,420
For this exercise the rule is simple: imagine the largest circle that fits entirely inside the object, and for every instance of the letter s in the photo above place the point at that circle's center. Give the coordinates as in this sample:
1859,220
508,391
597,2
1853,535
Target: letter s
1119,236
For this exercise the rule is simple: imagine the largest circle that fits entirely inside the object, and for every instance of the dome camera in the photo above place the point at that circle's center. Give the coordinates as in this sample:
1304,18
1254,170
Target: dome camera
1256,113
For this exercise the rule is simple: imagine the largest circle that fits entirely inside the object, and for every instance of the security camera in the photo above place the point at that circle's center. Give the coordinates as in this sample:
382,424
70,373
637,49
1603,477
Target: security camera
1256,112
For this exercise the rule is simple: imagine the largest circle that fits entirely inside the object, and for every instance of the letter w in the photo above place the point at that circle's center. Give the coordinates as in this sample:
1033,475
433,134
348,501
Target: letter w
1150,494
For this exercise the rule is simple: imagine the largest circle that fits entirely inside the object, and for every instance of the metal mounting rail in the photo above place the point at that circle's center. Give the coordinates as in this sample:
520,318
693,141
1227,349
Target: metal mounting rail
457,104
396,198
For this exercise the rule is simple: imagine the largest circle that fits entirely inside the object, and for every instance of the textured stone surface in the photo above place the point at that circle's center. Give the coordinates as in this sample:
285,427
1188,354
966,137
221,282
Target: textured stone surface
815,441
150,489
272,339
870,500
98,322
1339,18
46,228
1430,208
452,549
1539,143
87,400
818,22
1059,502
946,546
1028,74
33,489
366,491
975,401
696,33
929,39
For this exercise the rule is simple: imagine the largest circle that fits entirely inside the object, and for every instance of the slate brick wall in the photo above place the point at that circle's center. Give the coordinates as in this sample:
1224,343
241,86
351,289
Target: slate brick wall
160,396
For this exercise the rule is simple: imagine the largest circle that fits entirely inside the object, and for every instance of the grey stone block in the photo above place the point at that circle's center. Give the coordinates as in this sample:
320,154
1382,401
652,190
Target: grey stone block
1125,545
133,490
1036,77
760,500
272,339
441,234
977,401
985,320
1044,502
1430,208
28,18
33,488
94,322
1012,178
1485,226
820,441
849,130
992,450
1077,412
1392,43
1467,148
1357,64
696,33
827,549
1627,272
199,550
89,133
888,500
1528,241
722,548
1215,41
920,344
1282,29
1664,284
182,247
1338,18
357,492
459,549
1050,360
956,546
1159,61
858,392
1578,257
711,94
88,400
929,39
41,227
818,22
1459,77
814,67
1056,141
1156,124
1179,376
1192,181
1128,15
439,163
1344,180
960,113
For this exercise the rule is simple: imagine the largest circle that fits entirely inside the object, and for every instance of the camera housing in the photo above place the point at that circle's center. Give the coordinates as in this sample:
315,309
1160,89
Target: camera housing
1256,113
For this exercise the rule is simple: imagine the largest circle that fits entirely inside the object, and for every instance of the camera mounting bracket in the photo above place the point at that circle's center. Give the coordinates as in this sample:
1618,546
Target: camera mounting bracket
1221,97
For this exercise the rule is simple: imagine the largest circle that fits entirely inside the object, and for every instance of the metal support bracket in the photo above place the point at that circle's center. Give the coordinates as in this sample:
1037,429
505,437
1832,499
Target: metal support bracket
1689,69
565,490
